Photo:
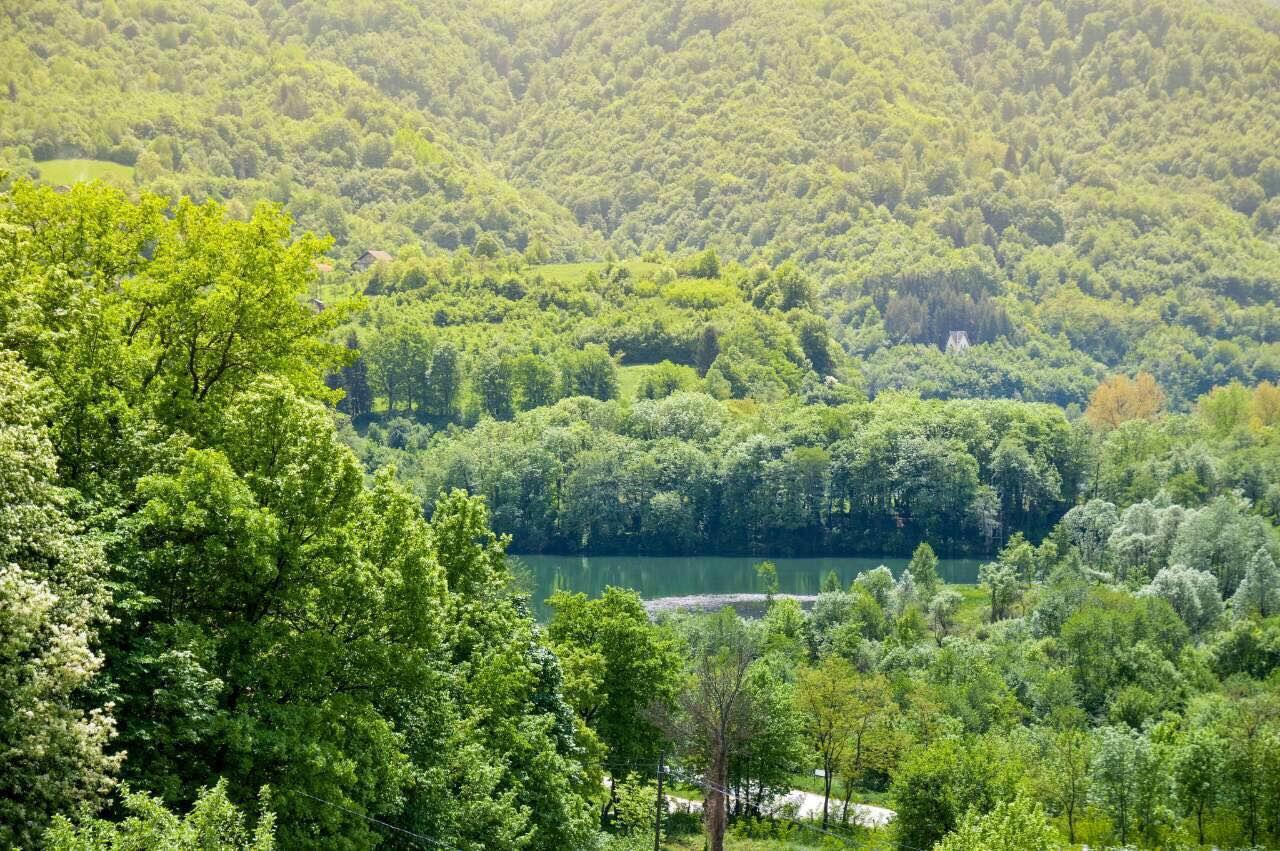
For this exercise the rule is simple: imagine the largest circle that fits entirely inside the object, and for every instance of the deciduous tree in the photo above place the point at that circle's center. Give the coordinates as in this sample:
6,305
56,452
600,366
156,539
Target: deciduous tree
1120,399
1198,763
825,696
1259,591
923,568
214,822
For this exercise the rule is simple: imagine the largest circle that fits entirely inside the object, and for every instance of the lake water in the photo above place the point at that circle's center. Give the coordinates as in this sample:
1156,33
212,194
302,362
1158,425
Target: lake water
657,577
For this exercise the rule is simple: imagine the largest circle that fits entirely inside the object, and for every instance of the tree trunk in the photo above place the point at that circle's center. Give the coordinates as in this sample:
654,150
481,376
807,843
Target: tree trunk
826,790
714,809
608,804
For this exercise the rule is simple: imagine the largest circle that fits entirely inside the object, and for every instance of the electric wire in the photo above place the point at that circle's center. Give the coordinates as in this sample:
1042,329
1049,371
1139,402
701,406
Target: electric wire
434,842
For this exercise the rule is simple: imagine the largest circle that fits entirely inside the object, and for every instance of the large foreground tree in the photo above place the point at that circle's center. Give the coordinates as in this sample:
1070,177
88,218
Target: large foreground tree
274,618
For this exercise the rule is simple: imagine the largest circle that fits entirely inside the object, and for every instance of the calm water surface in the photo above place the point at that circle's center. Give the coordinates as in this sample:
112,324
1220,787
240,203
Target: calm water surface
677,576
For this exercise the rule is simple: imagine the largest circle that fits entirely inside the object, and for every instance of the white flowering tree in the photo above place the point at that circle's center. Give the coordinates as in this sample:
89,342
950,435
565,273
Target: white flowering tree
52,748
1259,591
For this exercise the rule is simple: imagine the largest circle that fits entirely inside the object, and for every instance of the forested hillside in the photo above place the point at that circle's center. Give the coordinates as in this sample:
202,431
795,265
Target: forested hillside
1085,177
1079,175
203,100
311,311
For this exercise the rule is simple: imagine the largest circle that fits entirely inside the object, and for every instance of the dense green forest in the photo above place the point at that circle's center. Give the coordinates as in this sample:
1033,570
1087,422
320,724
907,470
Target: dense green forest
599,409
992,279
1082,187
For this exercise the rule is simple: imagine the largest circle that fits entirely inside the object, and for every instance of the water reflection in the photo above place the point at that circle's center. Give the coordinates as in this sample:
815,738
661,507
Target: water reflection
670,576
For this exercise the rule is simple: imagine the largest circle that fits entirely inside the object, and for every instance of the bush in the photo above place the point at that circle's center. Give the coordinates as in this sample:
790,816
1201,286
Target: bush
1017,825
636,803
214,822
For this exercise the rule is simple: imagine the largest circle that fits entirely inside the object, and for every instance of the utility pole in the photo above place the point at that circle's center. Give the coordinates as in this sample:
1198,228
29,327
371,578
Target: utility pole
657,810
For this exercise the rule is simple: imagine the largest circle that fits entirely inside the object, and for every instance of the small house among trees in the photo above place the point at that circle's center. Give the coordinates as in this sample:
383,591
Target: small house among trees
372,257
958,341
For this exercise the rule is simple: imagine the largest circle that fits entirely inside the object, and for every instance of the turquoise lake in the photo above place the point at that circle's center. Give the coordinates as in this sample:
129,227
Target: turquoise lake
678,576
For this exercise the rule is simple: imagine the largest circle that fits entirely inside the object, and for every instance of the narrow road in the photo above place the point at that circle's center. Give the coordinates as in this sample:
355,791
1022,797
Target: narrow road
808,805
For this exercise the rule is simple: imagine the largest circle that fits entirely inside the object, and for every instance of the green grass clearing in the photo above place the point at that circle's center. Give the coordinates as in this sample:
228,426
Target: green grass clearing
975,609
629,378
67,172
576,272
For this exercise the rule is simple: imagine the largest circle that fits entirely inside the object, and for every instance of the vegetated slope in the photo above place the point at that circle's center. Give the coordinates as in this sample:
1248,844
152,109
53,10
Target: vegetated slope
1063,181
1088,176
694,123
204,101
1105,171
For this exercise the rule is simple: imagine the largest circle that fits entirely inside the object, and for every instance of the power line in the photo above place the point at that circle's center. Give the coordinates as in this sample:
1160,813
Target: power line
437,843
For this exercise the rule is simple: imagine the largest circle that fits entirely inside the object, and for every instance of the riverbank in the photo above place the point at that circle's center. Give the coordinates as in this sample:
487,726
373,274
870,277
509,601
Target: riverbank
747,605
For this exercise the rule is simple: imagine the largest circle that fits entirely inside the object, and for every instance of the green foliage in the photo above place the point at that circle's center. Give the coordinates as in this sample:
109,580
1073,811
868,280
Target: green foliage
924,571
1193,594
1010,826
1003,587
620,668
941,613
1197,769
767,578
137,316
687,473
54,746
205,576
924,202
765,765
1129,781
1259,591
733,718
214,822
1223,538
663,379
636,806
590,372
273,117
1113,640
272,615
825,698
937,785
